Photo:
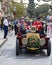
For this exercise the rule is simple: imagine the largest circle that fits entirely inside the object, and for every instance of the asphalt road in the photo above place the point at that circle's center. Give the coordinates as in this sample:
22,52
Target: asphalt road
8,56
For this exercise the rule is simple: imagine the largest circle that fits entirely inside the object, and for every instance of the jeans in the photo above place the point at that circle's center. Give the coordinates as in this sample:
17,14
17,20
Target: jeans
5,31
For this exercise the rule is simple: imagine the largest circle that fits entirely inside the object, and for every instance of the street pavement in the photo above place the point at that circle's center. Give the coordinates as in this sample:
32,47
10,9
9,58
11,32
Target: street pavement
8,56
2,40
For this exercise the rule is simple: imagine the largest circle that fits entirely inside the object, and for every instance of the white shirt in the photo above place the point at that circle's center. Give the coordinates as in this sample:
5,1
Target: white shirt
10,23
5,22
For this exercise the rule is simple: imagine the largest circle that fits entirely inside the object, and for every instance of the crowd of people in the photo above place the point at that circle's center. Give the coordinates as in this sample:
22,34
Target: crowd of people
8,24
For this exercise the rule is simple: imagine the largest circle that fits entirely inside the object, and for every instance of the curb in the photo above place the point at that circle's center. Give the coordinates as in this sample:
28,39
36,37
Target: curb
3,43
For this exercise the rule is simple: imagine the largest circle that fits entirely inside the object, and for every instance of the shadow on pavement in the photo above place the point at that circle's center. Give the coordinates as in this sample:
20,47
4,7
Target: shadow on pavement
10,53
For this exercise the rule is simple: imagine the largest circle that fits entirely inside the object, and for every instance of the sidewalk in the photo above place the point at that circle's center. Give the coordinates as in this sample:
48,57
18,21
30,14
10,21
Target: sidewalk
2,40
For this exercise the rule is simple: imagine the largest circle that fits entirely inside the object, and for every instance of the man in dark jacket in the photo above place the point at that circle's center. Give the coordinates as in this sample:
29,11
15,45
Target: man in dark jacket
15,25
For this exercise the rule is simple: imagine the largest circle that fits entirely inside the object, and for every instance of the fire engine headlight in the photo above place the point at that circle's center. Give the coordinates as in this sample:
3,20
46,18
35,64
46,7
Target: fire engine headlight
24,41
42,41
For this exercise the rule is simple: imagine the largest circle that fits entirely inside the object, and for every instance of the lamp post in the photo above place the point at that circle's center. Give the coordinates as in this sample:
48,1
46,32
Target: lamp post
14,13
14,8
49,11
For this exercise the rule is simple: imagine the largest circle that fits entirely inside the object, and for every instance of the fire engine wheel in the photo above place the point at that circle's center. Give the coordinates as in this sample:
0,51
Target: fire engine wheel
49,48
17,47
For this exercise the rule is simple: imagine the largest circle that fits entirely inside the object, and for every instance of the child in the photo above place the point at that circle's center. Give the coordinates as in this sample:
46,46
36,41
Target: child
48,27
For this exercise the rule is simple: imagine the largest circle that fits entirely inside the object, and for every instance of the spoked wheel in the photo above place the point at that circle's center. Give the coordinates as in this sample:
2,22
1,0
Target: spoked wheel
17,47
49,48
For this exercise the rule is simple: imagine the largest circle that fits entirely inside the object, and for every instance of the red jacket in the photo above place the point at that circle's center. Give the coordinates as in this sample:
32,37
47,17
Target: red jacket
38,25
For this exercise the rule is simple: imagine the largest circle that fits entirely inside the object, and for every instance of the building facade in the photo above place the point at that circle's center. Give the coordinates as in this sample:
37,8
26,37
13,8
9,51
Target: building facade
6,5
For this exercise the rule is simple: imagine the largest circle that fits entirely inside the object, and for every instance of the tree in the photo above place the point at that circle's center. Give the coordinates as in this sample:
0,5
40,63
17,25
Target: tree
31,9
42,10
19,9
0,0
46,0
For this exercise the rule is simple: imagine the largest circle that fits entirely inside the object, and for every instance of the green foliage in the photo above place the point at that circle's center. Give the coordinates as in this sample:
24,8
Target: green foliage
31,8
0,0
34,41
38,0
42,10
19,9
46,0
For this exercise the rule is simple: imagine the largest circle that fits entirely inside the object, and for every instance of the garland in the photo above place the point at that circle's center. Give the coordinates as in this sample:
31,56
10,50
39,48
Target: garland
34,41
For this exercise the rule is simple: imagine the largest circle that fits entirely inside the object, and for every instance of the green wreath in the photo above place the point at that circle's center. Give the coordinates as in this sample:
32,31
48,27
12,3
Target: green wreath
34,41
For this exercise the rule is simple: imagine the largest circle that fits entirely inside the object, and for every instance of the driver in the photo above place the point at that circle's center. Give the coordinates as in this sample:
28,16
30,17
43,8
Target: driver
39,26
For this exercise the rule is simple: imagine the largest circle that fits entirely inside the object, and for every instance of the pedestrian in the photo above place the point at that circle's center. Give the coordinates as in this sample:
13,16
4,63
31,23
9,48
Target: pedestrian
5,22
12,24
49,27
18,27
2,23
9,27
15,25
44,25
